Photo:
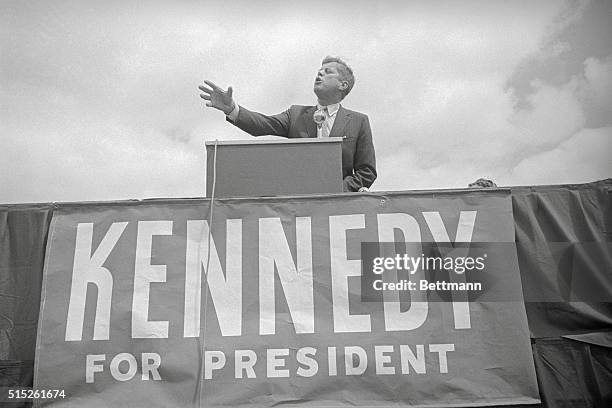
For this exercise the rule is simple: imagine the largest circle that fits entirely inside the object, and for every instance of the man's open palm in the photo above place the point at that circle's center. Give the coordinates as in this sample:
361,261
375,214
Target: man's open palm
217,97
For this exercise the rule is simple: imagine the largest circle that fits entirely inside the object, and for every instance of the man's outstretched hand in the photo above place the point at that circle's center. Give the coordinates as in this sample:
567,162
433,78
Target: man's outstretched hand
217,97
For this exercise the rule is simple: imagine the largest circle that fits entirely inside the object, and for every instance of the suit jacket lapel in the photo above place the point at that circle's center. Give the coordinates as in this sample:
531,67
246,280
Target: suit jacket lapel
342,118
311,126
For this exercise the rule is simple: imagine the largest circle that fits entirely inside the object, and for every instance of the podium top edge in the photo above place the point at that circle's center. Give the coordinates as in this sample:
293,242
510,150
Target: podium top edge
273,141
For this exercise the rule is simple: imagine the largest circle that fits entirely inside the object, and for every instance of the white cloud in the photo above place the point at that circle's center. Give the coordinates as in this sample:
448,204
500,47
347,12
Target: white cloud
484,133
598,82
583,158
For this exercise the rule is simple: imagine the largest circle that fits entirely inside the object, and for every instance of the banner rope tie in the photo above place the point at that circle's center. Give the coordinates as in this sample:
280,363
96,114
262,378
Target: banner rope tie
202,337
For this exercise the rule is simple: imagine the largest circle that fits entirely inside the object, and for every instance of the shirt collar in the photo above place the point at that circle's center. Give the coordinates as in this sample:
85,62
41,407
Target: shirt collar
331,109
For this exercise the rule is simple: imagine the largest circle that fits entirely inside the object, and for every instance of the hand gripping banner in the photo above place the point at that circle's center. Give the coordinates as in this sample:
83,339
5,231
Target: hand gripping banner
346,300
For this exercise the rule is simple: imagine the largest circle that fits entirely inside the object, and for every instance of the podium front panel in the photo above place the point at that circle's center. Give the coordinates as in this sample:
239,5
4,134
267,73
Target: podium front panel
255,168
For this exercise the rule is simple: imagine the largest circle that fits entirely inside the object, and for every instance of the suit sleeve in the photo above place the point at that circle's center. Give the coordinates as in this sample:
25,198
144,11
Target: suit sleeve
364,161
257,124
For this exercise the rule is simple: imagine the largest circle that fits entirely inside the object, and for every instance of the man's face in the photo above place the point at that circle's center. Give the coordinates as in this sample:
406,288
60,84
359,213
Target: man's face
328,81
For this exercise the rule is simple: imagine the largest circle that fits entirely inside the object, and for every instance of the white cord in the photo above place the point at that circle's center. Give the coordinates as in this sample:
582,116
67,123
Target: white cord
202,338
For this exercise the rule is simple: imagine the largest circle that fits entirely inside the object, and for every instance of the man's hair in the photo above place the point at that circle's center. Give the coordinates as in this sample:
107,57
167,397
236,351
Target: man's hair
482,183
346,73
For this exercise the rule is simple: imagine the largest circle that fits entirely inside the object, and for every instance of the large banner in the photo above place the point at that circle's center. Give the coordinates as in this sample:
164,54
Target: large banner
272,302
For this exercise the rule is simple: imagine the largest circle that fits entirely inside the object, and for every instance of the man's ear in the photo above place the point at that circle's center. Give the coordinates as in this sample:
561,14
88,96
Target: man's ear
343,85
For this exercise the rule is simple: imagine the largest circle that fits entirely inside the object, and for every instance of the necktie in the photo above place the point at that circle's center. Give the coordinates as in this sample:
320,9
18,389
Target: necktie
321,118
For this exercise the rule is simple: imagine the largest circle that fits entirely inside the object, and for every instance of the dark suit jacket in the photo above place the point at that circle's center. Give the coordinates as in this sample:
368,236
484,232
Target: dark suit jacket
358,160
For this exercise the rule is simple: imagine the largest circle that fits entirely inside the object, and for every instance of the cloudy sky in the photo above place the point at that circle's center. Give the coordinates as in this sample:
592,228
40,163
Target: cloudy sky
99,99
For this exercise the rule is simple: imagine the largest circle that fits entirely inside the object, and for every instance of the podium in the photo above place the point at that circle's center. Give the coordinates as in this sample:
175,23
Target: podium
256,168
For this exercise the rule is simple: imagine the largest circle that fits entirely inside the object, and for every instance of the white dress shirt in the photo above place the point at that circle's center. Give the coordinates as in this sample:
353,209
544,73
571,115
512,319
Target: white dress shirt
330,118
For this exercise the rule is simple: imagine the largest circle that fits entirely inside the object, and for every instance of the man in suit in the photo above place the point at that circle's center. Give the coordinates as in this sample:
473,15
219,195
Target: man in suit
328,118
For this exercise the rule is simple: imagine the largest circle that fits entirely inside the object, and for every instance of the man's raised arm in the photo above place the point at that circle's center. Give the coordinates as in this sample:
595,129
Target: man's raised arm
254,123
